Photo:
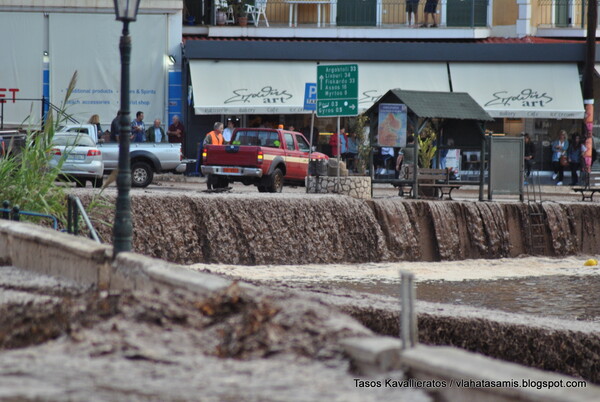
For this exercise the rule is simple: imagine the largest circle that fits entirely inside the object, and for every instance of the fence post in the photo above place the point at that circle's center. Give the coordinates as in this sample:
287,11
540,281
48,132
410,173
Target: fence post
75,220
408,317
69,214
15,213
5,206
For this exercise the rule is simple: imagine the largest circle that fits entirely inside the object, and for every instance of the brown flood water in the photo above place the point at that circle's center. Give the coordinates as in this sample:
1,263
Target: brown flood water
550,287
566,297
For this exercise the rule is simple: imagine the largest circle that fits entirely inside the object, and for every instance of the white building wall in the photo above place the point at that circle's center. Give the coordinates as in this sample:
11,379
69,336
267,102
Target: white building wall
22,64
83,35
87,5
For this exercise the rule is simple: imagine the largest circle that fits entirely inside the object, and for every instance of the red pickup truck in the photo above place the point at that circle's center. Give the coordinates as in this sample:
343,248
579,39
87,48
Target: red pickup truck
261,156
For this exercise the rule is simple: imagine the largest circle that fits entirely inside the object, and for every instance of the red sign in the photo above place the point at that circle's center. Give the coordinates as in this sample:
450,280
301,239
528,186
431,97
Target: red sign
3,95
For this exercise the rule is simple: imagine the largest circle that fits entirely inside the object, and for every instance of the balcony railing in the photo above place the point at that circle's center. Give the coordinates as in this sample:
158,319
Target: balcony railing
355,13
560,14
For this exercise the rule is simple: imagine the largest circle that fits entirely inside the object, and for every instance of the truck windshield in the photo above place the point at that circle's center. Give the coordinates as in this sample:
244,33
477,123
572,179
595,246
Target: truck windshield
256,138
302,144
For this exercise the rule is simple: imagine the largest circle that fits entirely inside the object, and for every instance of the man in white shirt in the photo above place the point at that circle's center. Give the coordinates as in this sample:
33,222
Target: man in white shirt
228,132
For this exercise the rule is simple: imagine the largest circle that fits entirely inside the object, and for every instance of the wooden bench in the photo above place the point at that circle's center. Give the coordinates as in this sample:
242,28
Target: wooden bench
592,186
438,179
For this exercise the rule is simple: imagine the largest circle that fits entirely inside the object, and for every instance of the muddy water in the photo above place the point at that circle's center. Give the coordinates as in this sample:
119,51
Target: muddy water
567,297
252,229
552,287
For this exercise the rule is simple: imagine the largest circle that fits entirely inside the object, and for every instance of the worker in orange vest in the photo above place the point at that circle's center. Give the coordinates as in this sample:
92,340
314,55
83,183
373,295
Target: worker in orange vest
215,137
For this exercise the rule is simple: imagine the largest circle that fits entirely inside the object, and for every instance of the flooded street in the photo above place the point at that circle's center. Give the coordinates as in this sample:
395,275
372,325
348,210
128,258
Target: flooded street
548,287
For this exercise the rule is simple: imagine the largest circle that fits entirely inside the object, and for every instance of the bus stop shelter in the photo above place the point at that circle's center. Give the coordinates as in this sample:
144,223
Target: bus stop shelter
457,115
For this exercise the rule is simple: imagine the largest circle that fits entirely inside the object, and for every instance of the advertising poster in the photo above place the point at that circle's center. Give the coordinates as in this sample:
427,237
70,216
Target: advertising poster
453,161
391,131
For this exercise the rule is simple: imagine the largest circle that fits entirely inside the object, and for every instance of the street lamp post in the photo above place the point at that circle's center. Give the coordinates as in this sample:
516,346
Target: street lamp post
126,11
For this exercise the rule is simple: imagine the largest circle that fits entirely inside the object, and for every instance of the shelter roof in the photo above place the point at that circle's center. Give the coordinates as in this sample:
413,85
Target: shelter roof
443,105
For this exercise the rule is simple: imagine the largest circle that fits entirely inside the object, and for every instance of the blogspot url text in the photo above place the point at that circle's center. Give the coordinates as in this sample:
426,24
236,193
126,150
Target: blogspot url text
470,383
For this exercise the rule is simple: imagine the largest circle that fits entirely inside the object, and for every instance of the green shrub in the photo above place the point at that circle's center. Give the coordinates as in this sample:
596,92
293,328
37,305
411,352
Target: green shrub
26,177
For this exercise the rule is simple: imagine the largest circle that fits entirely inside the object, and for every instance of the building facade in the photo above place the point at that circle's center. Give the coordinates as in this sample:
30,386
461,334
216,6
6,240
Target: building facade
64,37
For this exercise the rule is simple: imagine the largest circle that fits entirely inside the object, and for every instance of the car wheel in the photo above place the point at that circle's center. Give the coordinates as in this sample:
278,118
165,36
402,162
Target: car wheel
222,182
262,189
97,183
141,174
276,181
210,182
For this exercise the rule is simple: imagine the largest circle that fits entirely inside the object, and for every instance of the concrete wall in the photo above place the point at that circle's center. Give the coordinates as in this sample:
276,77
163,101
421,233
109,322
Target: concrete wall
567,347
339,229
85,5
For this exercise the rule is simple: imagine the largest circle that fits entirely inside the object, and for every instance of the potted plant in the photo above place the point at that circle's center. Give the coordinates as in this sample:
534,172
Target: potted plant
222,7
241,12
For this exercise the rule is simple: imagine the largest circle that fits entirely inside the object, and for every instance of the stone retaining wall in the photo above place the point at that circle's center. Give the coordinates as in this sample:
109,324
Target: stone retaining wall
567,347
354,186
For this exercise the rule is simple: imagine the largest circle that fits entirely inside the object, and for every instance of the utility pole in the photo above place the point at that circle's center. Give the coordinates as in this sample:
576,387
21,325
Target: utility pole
588,74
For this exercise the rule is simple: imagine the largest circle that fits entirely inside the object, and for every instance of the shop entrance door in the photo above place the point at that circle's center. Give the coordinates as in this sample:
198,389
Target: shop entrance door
356,12
467,13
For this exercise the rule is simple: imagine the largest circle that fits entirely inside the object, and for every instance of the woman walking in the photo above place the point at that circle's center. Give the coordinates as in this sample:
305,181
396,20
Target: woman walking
574,156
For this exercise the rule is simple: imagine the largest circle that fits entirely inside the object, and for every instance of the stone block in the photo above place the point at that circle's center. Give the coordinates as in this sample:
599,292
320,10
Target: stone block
138,272
373,355
53,253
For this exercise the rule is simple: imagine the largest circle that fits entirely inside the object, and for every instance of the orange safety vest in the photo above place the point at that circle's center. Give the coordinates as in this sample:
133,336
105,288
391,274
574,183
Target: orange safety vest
215,139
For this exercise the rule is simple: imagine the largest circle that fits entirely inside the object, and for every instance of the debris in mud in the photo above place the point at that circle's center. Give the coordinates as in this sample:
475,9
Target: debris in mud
235,323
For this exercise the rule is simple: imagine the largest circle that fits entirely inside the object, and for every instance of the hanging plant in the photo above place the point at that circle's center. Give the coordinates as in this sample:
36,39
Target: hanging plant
427,147
358,127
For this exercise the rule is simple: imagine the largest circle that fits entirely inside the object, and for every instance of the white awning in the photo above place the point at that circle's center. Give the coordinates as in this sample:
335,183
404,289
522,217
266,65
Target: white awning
277,87
522,90
250,87
376,78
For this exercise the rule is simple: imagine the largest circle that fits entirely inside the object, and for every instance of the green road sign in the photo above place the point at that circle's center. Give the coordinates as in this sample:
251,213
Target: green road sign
337,90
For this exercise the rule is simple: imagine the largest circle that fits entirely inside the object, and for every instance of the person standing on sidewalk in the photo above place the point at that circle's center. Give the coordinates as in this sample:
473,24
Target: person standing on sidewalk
215,137
529,155
574,156
559,150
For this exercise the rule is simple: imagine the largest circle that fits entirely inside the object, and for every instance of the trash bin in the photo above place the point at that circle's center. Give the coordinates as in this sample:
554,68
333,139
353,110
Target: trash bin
317,167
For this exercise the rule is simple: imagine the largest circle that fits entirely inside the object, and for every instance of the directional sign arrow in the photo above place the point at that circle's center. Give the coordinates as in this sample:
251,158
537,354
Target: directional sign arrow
321,78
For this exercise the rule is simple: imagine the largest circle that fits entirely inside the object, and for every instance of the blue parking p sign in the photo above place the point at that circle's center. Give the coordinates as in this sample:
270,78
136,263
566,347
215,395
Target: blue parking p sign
310,96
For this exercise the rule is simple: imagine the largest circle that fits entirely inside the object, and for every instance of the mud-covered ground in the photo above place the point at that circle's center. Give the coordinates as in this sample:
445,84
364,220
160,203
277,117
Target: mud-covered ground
59,341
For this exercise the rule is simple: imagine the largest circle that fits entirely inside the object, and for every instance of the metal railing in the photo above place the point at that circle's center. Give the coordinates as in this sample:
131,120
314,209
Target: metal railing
46,106
74,209
379,13
14,214
560,14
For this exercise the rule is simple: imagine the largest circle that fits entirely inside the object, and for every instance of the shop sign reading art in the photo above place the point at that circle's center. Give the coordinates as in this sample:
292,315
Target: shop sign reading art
265,95
526,98
391,131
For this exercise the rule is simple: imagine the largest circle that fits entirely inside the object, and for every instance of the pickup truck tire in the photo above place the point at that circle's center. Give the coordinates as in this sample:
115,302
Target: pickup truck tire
276,182
97,183
141,174
214,182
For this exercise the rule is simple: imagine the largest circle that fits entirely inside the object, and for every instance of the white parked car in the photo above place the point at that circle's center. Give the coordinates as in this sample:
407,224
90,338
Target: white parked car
82,158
